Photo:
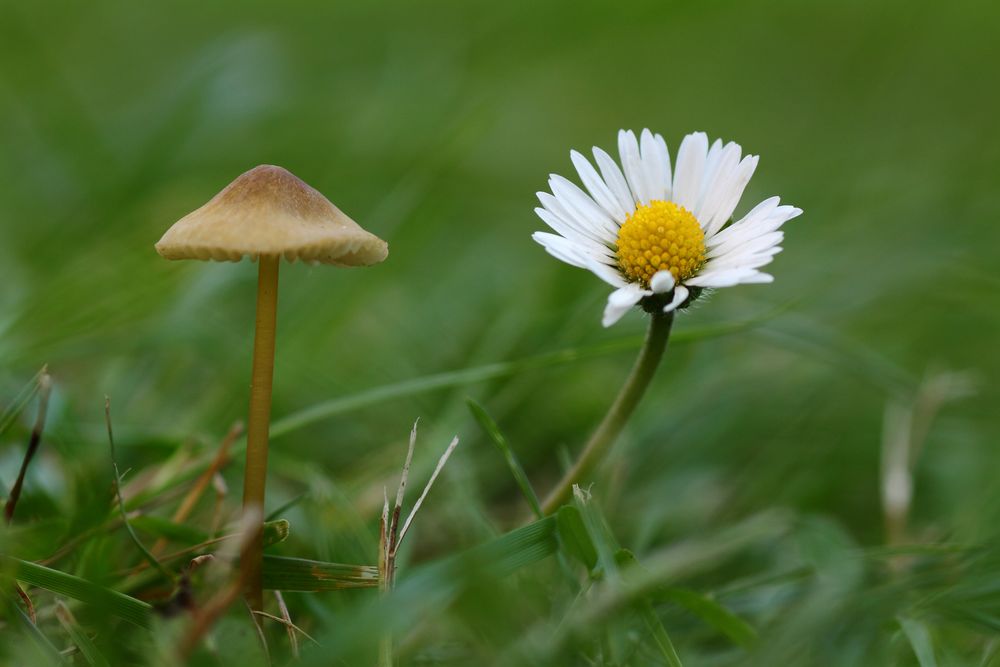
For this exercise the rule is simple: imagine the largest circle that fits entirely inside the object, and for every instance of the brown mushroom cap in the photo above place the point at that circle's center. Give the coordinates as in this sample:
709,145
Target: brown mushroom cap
270,211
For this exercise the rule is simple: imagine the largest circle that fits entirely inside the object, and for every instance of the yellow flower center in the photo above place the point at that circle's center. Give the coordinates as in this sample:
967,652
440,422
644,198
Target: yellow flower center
661,236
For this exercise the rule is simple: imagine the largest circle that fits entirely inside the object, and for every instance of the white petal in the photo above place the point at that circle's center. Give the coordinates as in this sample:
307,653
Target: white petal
562,249
691,158
766,217
710,169
608,274
728,195
628,149
745,245
662,281
717,181
577,201
757,278
597,248
569,218
724,278
598,189
727,241
680,295
758,212
656,163
575,255
614,179
739,256
621,301
742,261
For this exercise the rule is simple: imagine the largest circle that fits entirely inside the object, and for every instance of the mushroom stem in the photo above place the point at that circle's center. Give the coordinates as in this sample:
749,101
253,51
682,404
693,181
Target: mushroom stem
255,475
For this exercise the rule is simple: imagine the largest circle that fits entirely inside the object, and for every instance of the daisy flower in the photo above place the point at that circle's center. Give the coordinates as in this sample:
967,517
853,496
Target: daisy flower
660,237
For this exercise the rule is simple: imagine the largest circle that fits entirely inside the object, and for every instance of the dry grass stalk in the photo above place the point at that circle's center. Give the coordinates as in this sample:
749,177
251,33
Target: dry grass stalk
206,615
44,392
391,535
201,483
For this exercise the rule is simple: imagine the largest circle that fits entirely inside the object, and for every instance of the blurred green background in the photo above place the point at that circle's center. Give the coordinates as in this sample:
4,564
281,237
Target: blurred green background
433,124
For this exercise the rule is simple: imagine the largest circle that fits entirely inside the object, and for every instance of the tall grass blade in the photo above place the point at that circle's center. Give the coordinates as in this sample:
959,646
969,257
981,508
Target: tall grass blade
83,642
111,602
21,400
920,640
493,431
719,617
281,573
574,536
659,634
146,553
494,371
38,638
448,380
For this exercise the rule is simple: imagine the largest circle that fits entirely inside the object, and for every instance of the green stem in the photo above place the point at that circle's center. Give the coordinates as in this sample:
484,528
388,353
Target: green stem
619,412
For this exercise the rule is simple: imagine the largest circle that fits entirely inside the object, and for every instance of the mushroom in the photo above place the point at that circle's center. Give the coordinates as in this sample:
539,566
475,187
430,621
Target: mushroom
266,214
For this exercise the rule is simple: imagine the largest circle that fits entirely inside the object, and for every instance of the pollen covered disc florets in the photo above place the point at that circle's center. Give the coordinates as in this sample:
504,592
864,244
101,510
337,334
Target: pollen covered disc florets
660,236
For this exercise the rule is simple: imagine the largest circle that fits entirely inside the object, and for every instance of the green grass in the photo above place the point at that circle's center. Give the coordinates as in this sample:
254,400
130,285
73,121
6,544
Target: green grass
747,486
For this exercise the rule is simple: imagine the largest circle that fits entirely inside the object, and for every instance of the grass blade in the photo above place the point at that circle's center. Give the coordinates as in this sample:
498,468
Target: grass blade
503,556
920,640
299,574
448,380
493,431
659,633
45,647
494,371
20,401
158,526
112,602
146,553
661,638
574,536
713,613
89,652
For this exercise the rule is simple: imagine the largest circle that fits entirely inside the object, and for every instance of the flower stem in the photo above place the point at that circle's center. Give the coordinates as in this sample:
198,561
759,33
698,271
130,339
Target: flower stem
258,423
619,412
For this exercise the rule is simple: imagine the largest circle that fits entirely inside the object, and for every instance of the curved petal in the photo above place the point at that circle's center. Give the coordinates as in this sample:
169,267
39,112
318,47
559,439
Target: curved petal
562,249
746,245
720,208
712,161
598,189
680,296
614,179
662,282
608,274
763,220
691,158
569,219
628,149
723,278
580,203
717,179
757,278
656,163
620,301
743,260
556,223
575,255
